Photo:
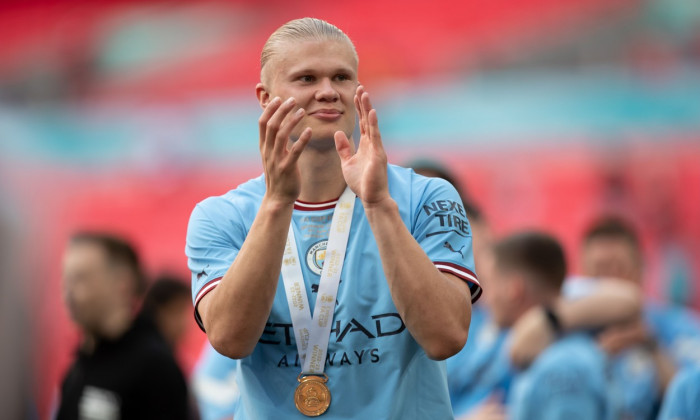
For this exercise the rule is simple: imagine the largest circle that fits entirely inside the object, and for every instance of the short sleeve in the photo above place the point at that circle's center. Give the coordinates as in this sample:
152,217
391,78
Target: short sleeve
210,251
443,231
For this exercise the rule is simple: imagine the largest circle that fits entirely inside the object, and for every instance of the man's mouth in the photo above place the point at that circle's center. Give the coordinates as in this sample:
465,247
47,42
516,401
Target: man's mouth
327,114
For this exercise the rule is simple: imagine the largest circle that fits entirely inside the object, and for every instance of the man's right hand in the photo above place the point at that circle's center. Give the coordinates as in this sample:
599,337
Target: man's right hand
282,177
235,312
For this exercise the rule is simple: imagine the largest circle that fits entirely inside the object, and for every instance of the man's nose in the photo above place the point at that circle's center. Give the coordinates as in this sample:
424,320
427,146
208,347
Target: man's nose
326,91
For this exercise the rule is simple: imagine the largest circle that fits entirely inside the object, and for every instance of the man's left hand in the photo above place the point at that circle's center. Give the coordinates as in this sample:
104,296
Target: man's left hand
365,171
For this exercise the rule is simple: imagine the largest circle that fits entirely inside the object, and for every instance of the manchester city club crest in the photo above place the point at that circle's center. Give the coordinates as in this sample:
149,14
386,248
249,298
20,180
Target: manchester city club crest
315,256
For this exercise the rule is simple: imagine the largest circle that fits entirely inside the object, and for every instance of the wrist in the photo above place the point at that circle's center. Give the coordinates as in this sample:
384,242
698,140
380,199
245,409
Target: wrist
276,204
384,206
553,320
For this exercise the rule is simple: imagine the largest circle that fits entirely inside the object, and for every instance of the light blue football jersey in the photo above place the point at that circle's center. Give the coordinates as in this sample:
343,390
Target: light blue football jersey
682,399
567,381
376,369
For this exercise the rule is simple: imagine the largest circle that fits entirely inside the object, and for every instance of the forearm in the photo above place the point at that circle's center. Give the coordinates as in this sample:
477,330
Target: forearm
235,312
612,302
435,308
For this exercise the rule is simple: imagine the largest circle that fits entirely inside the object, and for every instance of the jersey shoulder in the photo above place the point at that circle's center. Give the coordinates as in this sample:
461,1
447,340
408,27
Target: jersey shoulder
401,178
413,190
245,200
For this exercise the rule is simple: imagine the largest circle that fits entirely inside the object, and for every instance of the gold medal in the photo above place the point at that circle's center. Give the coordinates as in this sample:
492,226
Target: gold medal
312,396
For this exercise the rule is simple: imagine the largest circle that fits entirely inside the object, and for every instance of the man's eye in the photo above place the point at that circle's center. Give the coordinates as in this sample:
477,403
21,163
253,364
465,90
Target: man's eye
307,79
342,77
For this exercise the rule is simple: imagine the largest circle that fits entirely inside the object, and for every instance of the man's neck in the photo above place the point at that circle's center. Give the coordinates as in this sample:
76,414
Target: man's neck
321,175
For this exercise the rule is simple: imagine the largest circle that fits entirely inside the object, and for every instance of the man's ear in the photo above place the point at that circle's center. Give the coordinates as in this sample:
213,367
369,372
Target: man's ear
262,94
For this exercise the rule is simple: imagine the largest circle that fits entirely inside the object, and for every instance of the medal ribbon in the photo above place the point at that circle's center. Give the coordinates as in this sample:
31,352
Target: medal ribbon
312,333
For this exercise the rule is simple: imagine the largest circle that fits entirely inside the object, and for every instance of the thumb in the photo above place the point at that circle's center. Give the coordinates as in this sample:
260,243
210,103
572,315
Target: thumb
342,145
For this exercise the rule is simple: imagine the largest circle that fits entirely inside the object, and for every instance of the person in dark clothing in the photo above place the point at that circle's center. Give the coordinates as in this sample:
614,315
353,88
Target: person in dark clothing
124,368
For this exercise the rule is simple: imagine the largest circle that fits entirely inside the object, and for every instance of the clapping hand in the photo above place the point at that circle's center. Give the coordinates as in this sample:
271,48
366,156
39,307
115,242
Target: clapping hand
366,170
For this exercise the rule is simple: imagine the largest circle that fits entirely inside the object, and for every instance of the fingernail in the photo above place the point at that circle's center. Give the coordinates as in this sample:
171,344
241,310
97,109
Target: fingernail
277,99
290,101
299,112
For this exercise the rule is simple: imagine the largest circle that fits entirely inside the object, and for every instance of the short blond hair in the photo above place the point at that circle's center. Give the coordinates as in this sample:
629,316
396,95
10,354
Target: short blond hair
299,30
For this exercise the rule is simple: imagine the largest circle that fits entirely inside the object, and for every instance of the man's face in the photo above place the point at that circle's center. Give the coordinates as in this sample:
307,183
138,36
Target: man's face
322,78
97,295
611,257
501,295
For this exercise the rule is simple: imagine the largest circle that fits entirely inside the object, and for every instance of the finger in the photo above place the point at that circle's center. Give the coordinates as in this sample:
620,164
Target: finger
268,111
374,134
299,146
342,146
290,121
275,121
372,123
361,110
360,119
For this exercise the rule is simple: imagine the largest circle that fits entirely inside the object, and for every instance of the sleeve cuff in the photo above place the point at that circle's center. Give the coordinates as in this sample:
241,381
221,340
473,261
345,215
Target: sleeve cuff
464,274
202,292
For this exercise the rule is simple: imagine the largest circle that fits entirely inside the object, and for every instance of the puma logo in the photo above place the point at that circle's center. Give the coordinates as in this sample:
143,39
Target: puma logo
449,246
203,273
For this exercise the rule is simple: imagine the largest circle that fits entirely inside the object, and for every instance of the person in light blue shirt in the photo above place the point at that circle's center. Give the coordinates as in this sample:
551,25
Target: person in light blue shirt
408,279
214,385
569,376
645,353
682,399
368,337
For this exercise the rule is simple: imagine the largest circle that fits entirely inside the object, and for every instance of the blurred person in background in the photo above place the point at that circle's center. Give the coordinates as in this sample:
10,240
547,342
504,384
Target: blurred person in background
168,303
567,381
404,302
124,369
168,306
646,353
214,385
479,376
